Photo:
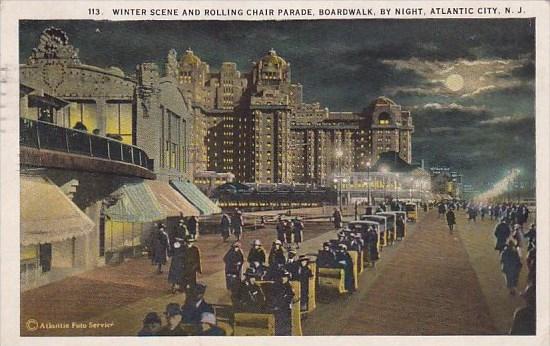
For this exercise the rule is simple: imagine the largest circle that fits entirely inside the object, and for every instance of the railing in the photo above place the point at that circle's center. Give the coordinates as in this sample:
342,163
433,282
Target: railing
44,135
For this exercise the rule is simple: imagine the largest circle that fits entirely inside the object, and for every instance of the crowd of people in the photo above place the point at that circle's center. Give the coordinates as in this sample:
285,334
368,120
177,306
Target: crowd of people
510,236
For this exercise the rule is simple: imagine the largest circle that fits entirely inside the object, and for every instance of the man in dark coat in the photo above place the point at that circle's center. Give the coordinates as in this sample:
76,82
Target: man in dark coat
256,253
280,229
298,231
511,265
337,218
400,225
502,233
237,224
180,232
303,274
277,255
191,264
151,325
451,219
233,259
225,225
344,261
292,264
193,227
175,274
282,297
174,318
160,246
195,306
531,236
249,297
525,318
372,246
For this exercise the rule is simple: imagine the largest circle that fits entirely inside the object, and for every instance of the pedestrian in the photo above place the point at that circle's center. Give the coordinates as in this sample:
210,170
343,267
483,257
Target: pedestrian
288,233
441,210
291,264
372,239
208,326
191,264
193,227
531,236
160,245
179,233
233,259
502,233
276,255
195,306
225,225
326,257
472,213
249,297
511,265
517,235
280,229
237,223
400,226
451,219
151,325
525,318
298,231
303,275
175,273
173,326
282,297
337,217
344,261
256,253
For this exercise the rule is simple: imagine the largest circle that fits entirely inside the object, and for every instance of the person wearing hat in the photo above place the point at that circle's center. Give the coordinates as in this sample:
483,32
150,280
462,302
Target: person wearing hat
451,219
173,326
277,255
531,236
511,265
233,259
179,233
517,235
176,272
193,226
191,263
225,225
502,233
326,258
371,240
303,274
344,261
282,297
292,263
151,325
260,269
287,226
249,297
280,229
298,231
208,326
256,253
237,223
525,318
195,305
160,246
337,218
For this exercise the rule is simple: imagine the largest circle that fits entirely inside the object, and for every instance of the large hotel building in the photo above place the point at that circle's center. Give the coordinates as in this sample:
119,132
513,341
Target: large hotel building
256,125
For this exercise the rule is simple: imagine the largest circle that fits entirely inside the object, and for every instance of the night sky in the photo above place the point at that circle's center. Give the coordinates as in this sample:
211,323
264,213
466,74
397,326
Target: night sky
468,83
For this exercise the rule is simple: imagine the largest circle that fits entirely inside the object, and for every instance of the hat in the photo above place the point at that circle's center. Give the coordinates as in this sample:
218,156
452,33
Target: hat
257,242
285,273
278,242
293,252
517,226
172,309
236,244
177,245
161,225
326,243
343,246
181,221
250,272
208,317
303,258
152,317
190,240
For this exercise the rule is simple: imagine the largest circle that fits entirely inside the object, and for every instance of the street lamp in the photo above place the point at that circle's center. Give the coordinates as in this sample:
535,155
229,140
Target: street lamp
368,182
397,186
411,189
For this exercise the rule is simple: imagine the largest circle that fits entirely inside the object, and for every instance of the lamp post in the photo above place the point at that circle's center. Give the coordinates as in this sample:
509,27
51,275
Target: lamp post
397,186
339,153
368,182
411,189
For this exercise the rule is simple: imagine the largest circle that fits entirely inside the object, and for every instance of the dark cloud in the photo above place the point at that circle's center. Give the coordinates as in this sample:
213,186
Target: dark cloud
343,65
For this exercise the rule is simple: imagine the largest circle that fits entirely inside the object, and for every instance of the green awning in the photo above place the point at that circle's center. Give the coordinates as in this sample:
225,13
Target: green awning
136,203
196,197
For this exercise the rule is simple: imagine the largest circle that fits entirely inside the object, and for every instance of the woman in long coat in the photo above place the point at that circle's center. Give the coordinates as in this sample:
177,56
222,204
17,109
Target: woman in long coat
511,265
225,225
298,230
160,245
175,274
372,246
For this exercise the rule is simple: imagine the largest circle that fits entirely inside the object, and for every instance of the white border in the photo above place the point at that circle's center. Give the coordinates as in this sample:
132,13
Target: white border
12,11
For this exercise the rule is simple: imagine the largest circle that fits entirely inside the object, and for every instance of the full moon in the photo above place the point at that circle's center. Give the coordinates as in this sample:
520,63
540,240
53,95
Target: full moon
455,82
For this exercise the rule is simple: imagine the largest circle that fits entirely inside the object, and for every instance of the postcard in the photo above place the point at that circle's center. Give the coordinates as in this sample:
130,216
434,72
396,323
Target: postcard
344,172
